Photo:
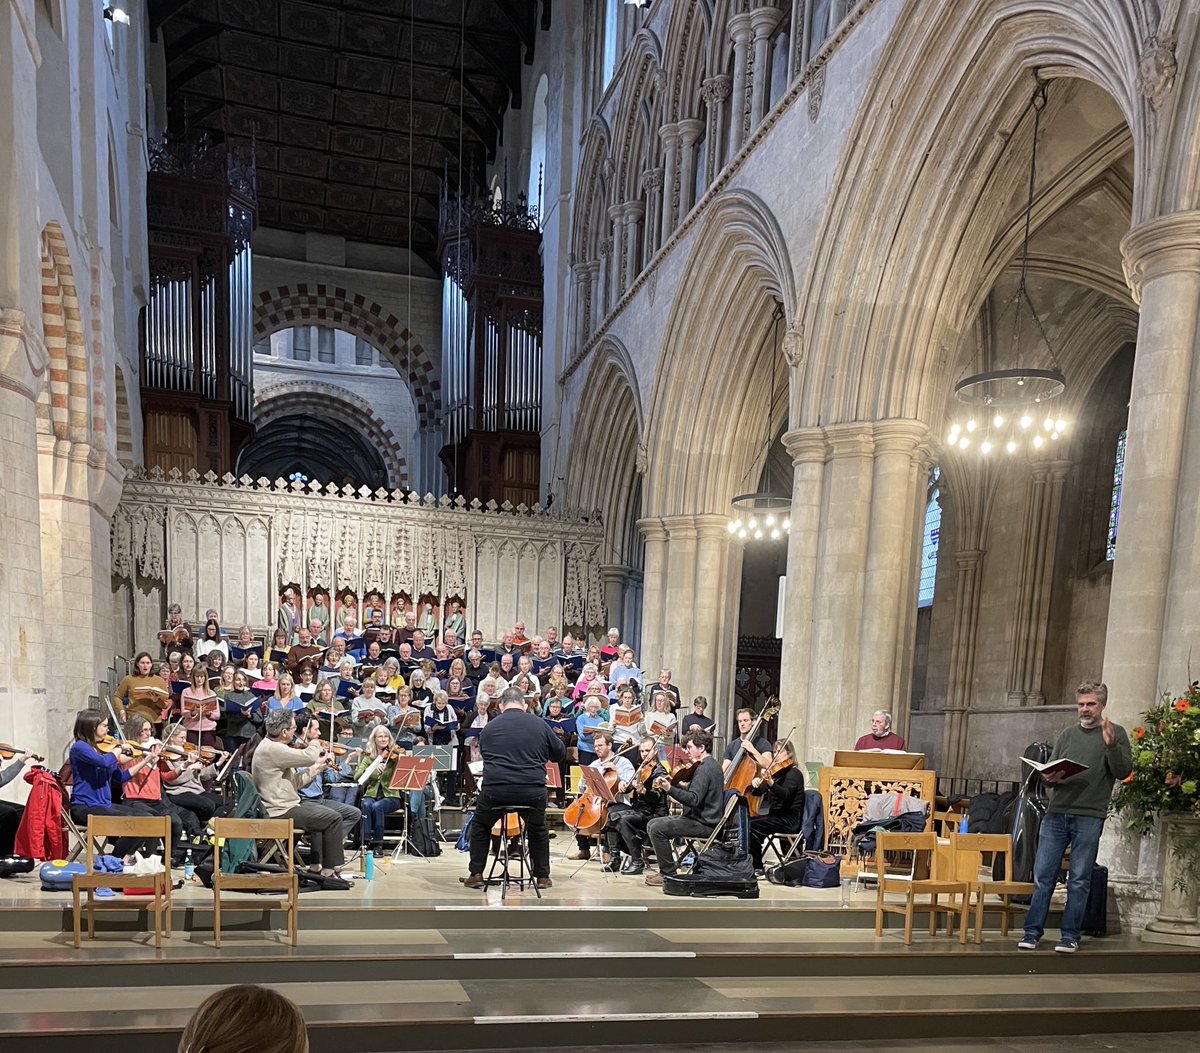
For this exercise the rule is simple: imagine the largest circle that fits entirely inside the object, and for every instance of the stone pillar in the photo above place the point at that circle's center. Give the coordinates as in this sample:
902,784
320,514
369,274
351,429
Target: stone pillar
962,661
838,600
740,31
763,21
1162,264
605,282
654,599
807,447
714,618
652,184
889,566
669,134
714,91
1039,544
679,645
613,577
586,278
617,259
631,213
689,133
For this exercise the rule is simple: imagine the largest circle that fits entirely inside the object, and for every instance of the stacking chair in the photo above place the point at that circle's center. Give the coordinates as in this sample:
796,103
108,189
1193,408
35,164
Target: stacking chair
100,827
969,850
912,885
281,832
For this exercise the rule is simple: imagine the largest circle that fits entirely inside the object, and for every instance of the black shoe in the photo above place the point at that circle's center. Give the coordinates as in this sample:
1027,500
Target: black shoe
633,867
613,866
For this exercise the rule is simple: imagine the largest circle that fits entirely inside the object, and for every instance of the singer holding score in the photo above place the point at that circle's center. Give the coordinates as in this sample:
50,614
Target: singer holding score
1075,816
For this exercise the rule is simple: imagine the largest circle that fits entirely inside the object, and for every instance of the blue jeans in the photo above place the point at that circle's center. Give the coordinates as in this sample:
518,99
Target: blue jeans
374,809
1082,834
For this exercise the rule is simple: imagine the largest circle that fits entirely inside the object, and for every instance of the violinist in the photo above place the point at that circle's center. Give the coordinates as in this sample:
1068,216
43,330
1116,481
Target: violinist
327,773
782,784
143,791
379,800
141,692
93,771
759,750
702,800
185,780
608,761
10,813
648,802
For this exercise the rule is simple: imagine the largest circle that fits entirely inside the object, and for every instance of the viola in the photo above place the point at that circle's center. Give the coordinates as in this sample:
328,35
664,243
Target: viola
8,752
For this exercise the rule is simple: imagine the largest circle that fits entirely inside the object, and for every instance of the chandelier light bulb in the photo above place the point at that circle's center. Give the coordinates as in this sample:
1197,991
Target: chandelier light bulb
787,524
998,420
963,443
1037,442
1048,424
1011,446
775,534
1026,421
985,447
1060,425
971,425
758,535
770,520
1054,436
741,534
733,525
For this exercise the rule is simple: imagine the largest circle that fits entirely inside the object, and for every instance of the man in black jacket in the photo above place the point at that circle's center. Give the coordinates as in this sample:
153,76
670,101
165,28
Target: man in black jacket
516,748
703,805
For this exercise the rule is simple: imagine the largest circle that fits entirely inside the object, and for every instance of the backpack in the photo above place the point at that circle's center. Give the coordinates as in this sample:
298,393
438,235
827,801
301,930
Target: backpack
422,838
464,837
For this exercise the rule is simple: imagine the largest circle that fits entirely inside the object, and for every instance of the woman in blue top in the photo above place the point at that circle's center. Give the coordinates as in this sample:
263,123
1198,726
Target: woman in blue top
93,772
588,720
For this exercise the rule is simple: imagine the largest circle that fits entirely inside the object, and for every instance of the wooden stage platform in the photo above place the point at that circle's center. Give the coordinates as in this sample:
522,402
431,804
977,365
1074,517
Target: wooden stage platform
414,961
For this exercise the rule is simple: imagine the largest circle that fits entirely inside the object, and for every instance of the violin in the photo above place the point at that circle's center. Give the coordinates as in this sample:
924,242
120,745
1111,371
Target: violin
780,766
641,777
108,744
8,752
191,751
338,749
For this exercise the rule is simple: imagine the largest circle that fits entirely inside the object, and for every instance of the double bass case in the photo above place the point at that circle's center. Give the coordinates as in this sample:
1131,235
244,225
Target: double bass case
721,871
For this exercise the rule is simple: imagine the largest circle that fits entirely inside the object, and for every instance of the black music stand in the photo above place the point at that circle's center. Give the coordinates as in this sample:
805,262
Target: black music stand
410,774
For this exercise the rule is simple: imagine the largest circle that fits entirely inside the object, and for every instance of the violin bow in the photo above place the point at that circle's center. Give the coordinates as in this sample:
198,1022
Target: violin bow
112,715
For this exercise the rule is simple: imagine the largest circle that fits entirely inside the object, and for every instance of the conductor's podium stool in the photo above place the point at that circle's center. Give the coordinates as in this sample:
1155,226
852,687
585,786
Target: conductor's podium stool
510,865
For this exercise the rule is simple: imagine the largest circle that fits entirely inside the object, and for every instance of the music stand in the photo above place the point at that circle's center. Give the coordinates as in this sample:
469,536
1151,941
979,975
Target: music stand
411,774
595,784
444,760
553,776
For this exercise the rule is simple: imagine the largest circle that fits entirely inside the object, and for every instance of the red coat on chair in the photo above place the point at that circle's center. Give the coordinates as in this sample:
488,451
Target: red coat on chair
42,833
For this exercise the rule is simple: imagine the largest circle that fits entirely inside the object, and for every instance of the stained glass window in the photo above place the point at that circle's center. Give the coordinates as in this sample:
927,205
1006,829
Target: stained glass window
1114,510
929,544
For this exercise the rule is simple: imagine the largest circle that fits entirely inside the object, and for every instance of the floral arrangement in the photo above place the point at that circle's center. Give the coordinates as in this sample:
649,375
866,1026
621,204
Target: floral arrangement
1166,770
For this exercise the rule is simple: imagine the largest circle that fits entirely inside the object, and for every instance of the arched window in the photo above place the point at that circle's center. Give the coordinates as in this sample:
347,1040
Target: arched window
1114,509
929,543
608,54
537,149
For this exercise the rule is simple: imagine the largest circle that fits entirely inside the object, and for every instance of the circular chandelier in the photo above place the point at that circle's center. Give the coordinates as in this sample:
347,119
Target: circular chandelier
760,516
1016,410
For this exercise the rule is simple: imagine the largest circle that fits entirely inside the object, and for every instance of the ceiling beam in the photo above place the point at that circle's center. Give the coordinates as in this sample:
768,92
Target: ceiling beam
195,36
162,10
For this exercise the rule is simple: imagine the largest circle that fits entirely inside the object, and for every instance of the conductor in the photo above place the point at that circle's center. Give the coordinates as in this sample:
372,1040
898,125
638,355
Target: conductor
516,748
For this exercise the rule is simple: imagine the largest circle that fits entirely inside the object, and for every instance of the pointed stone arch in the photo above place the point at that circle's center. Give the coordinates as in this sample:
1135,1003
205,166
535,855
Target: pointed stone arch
125,447
638,115
319,304
591,204
684,59
66,400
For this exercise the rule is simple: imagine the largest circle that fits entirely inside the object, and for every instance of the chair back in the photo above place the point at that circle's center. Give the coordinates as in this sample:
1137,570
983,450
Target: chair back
980,843
282,830
901,841
147,827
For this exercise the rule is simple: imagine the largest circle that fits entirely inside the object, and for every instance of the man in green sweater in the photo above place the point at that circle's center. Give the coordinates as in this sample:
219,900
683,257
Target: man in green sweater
1075,816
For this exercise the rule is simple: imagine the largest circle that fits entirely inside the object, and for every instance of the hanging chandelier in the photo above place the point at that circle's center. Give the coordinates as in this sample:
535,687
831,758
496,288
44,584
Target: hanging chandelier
763,515
1016,409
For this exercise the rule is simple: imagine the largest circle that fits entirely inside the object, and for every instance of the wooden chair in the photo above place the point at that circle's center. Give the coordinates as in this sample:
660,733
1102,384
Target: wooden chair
969,850
912,885
147,827
281,832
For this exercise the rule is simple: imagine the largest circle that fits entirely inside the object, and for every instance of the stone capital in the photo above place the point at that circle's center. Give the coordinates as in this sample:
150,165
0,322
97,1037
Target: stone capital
715,90
763,20
897,435
23,356
652,179
740,28
793,344
1167,244
669,134
680,528
806,445
633,210
712,526
613,573
616,213
690,130
968,558
652,528
850,440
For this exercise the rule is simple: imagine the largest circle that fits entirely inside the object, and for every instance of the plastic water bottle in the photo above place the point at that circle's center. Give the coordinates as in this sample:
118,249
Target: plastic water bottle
962,824
369,866
189,868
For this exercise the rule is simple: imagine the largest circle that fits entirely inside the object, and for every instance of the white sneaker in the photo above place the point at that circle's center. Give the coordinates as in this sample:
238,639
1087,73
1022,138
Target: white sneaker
1067,946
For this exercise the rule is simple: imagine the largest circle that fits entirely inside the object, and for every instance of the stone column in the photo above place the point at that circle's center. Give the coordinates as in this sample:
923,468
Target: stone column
652,184
586,277
740,31
763,21
889,554
1162,264
613,577
689,133
838,600
808,448
631,213
679,646
1039,544
617,260
962,661
714,91
714,619
669,134
605,282
654,598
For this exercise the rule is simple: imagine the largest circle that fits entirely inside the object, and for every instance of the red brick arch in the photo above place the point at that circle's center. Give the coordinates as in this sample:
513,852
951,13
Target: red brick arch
317,304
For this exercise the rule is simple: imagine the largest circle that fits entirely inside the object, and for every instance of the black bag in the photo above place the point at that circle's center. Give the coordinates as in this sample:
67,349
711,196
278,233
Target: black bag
721,871
822,870
791,874
423,838
1095,912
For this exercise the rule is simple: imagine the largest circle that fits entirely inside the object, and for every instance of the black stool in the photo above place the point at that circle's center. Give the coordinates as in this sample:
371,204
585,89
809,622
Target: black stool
501,871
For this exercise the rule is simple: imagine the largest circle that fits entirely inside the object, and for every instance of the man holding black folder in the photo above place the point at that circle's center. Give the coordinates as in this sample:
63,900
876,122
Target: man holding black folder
516,747
1075,816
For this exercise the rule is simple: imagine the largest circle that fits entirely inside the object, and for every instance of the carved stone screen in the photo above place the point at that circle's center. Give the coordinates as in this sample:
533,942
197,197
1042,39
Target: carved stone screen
232,545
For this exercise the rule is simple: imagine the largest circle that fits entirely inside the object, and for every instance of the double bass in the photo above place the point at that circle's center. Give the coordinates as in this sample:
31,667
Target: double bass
743,768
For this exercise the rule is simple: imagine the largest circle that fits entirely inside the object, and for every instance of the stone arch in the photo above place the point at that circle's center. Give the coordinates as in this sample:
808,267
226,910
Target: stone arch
308,397
879,348
603,464
62,324
638,114
319,304
125,450
718,367
591,204
686,41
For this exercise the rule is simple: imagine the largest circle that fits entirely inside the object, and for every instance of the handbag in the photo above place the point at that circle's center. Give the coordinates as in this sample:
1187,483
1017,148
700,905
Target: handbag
822,870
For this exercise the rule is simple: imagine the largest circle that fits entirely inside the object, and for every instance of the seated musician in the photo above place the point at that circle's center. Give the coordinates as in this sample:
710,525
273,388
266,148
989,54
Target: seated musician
200,708
379,799
142,692
610,651
759,750
607,760
93,771
881,737
276,770
782,784
186,777
211,640
697,718
563,726
308,728
285,695
648,802
516,748
585,723
10,812
703,805
142,792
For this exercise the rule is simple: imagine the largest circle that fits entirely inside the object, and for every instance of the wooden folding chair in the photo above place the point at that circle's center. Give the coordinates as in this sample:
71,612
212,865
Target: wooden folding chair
100,827
912,885
968,851
278,830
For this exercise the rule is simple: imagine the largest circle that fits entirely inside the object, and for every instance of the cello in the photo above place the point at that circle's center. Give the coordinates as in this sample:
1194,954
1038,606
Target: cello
588,814
743,768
